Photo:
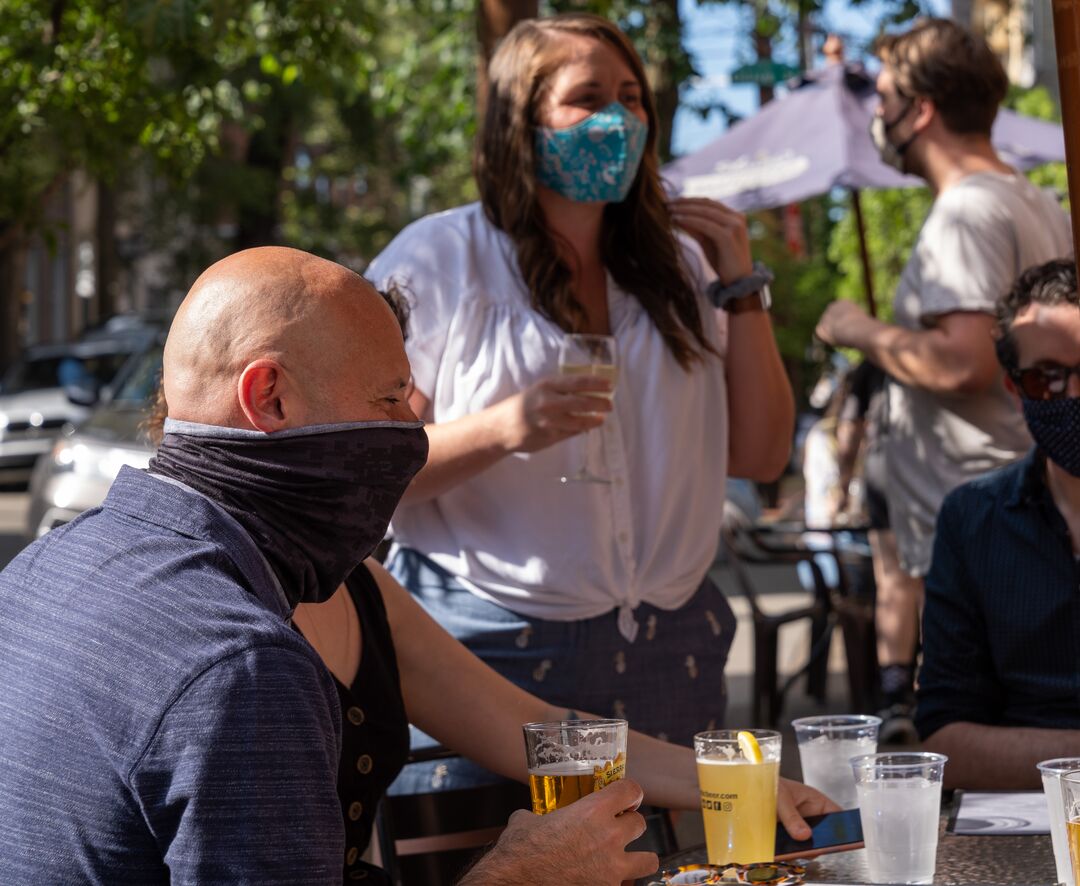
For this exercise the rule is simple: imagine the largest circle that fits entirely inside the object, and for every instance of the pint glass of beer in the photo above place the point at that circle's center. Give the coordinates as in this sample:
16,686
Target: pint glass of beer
738,773
568,759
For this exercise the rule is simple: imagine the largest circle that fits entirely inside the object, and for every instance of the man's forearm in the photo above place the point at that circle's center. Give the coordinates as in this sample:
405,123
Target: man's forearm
999,757
924,358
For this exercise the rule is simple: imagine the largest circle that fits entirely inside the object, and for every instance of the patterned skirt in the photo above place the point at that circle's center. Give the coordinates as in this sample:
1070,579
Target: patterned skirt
668,683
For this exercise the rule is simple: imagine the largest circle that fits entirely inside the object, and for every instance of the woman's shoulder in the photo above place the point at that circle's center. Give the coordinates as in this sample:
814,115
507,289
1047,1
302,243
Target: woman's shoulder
447,256
438,238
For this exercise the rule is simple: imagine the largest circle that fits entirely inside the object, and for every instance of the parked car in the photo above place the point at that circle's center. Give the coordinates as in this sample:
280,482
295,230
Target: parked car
77,473
50,386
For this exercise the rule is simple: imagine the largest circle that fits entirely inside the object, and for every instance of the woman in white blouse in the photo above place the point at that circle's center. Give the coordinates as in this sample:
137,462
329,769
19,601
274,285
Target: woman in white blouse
594,596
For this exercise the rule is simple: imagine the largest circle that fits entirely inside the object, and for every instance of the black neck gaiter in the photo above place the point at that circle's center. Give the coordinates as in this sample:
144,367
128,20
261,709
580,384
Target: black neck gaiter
315,500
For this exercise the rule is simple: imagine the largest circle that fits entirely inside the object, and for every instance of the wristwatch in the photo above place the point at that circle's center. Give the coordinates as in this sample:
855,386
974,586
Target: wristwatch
749,293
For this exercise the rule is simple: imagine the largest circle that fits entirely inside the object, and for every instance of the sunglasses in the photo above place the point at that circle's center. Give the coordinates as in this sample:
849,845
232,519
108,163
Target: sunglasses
1044,382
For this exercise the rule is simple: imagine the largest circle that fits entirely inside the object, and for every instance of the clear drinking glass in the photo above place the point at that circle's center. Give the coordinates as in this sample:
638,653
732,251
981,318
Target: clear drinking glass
899,805
568,759
1051,771
738,795
1070,806
581,354
826,746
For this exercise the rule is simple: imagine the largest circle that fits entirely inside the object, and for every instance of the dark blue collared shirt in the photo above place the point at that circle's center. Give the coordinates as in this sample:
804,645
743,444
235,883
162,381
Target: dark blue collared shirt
159,719
1001,627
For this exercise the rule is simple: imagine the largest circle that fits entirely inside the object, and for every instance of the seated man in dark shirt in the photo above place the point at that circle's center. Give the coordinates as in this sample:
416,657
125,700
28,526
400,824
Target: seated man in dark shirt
999,688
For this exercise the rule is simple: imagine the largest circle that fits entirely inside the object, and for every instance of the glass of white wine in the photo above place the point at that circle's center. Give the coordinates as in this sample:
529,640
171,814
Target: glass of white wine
581,354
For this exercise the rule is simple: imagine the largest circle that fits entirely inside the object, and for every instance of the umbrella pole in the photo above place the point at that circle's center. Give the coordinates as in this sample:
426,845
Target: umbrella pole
864,252
1067,42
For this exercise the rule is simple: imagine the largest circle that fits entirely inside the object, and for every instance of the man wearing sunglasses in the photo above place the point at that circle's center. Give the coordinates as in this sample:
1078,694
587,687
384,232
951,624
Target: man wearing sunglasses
949,418
999,689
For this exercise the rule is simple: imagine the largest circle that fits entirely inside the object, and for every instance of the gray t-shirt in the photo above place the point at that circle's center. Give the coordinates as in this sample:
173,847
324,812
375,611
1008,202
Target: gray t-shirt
980,235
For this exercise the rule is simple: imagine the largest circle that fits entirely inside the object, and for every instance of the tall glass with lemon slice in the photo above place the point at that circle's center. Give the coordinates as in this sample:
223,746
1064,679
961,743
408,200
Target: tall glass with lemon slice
738,773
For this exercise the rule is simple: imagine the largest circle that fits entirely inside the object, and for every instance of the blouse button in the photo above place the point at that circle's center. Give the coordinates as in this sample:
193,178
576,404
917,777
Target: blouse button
364,764
356,810
355,715
352,855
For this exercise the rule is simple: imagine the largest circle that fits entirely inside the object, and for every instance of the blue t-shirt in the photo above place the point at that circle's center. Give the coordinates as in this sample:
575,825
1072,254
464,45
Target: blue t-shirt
159,719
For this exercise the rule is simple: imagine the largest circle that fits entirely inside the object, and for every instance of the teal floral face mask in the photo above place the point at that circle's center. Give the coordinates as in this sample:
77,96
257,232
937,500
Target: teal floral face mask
594,161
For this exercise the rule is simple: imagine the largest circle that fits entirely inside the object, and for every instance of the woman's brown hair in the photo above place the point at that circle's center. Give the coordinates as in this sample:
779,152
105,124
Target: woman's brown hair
637,243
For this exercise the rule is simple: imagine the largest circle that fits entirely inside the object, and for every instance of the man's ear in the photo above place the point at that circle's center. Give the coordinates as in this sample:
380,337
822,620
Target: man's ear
925,112
262,392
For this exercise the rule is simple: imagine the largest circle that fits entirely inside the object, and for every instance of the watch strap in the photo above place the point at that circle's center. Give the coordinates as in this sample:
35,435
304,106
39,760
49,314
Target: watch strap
755,301
754,283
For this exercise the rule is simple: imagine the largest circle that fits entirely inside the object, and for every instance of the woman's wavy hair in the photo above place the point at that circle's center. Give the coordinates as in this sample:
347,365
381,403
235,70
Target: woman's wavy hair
638,245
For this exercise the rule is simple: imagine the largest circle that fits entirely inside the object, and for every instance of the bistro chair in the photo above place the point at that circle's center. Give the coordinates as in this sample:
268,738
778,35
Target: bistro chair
836,560
745,545
433,838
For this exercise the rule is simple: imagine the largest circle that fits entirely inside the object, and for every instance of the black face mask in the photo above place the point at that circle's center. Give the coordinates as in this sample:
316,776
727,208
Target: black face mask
1055,428
315,500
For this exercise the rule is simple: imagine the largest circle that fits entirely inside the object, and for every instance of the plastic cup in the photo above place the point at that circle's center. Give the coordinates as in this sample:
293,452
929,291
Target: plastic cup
1070,806
899,805
826,747
1051,771
568,759
738,795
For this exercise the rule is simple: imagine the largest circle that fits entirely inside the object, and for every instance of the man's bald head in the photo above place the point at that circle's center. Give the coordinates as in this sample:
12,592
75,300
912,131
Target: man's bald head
299,334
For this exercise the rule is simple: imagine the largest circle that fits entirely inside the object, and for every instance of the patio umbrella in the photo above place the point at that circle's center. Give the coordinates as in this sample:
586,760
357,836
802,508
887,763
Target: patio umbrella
816,138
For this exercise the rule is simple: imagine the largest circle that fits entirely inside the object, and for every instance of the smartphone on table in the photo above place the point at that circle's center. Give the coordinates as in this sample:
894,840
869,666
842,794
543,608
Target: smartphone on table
834,832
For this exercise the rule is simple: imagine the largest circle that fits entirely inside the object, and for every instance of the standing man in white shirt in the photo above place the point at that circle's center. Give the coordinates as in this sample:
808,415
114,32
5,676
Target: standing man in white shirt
949,417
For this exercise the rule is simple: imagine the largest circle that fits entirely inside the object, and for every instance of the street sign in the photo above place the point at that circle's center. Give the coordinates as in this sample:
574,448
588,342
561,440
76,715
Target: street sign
764,73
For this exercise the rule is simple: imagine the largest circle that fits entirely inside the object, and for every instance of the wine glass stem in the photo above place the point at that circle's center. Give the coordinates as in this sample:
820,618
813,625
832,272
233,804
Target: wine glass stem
585,470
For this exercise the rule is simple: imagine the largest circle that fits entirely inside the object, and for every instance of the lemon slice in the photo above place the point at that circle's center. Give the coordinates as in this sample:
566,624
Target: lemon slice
750,748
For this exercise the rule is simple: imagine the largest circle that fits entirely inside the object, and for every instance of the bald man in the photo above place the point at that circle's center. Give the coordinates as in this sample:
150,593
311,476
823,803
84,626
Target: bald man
160,720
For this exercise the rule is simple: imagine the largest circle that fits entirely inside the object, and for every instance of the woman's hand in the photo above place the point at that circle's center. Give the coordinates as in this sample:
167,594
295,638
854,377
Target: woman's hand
795,801
553,409
721,232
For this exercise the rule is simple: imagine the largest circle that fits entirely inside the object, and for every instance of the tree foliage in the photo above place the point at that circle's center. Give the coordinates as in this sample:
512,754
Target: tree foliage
99,86
327,124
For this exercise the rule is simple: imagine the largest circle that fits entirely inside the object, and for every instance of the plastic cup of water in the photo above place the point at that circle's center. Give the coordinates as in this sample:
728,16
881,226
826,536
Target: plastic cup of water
826,747
899,805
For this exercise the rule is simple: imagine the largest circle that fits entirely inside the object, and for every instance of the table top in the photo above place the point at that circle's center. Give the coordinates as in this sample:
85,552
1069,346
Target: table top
961,861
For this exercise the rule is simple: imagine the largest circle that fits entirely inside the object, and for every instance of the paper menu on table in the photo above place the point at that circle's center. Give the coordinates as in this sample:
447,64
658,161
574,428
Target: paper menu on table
1001,812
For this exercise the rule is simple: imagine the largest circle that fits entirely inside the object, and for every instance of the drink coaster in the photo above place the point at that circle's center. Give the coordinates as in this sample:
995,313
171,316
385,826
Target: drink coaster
759,874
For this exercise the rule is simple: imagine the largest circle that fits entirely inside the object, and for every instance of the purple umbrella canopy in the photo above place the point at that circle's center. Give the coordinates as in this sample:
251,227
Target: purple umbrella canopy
817,137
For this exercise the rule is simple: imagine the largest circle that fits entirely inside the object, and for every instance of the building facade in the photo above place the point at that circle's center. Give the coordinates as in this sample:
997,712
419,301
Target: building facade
1021,32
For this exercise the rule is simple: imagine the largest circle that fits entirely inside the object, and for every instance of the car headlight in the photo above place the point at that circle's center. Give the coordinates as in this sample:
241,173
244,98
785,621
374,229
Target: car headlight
92,461
69,455
63,456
